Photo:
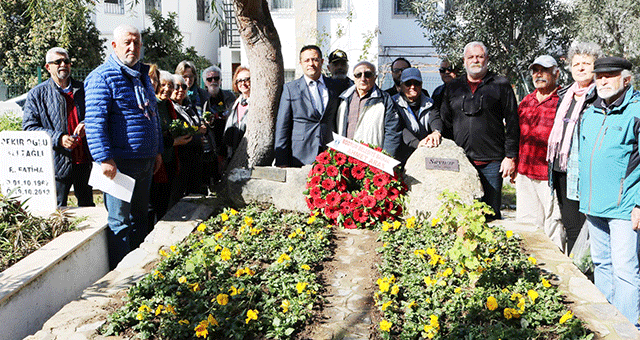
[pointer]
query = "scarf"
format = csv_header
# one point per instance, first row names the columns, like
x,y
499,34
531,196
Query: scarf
x,y
140,92
559,144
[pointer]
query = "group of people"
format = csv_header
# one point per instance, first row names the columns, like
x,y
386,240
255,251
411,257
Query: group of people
x,y
581,141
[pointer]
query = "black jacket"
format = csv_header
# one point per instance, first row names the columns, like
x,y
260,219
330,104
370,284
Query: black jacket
x,y
484,123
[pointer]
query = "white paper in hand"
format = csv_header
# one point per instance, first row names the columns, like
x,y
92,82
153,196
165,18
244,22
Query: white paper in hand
x,y
120,187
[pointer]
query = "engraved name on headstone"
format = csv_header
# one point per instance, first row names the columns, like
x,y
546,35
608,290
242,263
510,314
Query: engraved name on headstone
x,y
26,170
447,164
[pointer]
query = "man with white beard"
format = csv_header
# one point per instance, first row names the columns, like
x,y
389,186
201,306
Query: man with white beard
x,y
536,114
609,184
481,110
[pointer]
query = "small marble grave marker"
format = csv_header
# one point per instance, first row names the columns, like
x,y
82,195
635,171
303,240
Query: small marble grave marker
x,y
27,169
448,164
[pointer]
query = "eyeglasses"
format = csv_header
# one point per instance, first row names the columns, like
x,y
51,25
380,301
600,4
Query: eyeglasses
x,y
366,74
410,83
446,69
182,86
210,79
243,80
398,70
60,61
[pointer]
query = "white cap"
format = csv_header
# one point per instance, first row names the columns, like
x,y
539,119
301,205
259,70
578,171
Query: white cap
x,y
545,61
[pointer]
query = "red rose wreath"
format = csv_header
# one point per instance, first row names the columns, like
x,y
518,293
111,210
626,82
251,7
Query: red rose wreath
x,y
352,193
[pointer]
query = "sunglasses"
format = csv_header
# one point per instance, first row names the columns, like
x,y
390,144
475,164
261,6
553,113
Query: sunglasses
x,y
182,86
243,80
410,83
60,61
210,79
366,74
446,69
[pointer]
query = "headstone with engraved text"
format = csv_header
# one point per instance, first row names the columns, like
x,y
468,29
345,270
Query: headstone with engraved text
x,y
26,170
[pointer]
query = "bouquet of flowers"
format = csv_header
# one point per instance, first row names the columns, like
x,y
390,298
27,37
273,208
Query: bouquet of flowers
x,y
217,112
352,193
181,128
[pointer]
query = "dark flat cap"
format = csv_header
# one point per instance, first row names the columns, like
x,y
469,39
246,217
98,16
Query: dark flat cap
x,y
611,64
337,55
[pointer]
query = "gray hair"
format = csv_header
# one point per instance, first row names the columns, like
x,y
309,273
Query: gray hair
x,y
584,48
121,30
371,66
474,44
178,80
210,69
627,74
165,76
51,53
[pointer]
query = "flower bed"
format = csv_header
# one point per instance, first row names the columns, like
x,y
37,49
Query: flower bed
x,y
242,275
453,277
351,193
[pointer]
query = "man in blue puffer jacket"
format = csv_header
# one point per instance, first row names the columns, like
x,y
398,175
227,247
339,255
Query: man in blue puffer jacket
x,y
609,184
124,135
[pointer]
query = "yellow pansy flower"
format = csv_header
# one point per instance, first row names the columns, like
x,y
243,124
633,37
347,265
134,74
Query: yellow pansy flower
x,y
412,304
283,257
435,221
492,303
159,309
507,313
173,248
532,260
385,325
385,226
447,272
144,308
139,316
182,279
411,222
545,283
533,295
396,224
171,309
224,217
201,329
233,212
395,289
222,299
183,322
305,267
457,290
509,233
218,236
251,315
201,227
301,286
225,254
568,315
194,286
163,253
285,306
311,219
248,220
386,305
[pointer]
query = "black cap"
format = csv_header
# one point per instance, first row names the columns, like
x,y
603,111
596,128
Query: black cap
x,y
337,55
611,64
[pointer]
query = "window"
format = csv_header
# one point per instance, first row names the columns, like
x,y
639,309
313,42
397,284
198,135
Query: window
x,y
327,5
401,7
150,5
281,4
114,6
203,10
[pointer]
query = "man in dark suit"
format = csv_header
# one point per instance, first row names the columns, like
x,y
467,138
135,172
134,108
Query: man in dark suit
x,y
307,113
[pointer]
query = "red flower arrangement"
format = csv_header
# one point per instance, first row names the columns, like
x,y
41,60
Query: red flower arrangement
x,y
352,193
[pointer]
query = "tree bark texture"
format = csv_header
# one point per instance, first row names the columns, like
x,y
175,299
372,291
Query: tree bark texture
x,y
267,76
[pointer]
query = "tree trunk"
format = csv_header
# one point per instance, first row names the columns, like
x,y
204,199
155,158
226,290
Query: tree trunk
x,y
267,76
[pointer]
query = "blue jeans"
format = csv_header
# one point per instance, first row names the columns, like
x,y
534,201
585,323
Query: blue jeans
x,y
128,222
614,251
491,181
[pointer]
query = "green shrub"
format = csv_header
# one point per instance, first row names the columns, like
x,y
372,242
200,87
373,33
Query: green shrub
x,y
9,122
22,233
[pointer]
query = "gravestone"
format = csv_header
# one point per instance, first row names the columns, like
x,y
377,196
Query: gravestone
x,y
430,171
26,170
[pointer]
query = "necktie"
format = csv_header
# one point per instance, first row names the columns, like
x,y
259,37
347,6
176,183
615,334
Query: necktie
x,y
317,96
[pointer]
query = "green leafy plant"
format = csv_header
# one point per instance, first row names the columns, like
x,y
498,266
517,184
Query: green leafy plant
x,y
22,233
242,275
10,122
181,128
454,277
